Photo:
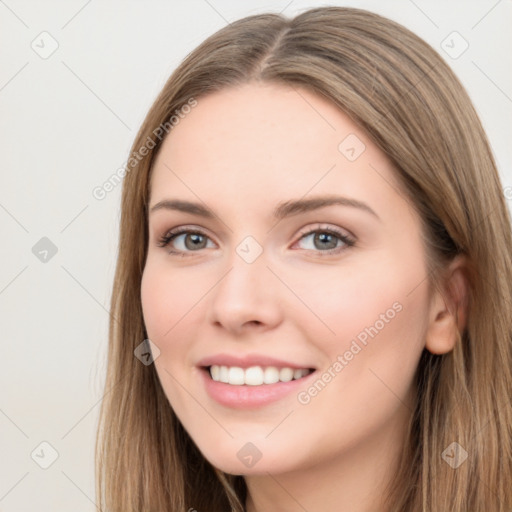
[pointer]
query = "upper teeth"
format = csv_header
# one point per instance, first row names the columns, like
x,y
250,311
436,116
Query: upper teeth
x,y
255,375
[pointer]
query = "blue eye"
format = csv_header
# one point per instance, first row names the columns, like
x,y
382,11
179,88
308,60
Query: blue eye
x,y
191,240
327,241
323,241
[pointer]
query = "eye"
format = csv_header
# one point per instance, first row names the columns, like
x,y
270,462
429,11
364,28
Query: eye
x,y
183,240
326,240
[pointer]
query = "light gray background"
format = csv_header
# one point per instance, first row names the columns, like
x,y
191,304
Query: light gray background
x,y
66,125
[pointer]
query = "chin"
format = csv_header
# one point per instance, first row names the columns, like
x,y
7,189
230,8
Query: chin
x,y
249,458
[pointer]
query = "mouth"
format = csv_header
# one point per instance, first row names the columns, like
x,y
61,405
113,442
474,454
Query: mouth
x,y
251,381
255,375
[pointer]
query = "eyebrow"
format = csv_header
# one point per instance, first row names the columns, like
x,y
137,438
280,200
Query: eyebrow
x,y
285,209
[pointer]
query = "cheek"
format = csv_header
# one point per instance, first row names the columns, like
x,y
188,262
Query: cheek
x,y
166,298
164,302
380,322
156,298
173,306
349,300
377,316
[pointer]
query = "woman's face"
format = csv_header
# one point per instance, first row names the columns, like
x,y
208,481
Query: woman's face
x,y
297,258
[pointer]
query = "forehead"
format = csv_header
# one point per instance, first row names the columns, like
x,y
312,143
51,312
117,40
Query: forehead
x,y
255,124
260,142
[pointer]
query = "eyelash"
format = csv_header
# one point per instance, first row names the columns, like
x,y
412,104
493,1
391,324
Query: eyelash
x,y
348,241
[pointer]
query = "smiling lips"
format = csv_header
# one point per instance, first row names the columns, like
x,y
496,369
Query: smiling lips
x,y
255,375
249,381
252,369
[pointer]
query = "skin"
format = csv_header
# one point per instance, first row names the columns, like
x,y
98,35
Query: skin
x,y
241,152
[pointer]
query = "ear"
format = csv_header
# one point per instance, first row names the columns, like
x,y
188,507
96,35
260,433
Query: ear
x,y
448,308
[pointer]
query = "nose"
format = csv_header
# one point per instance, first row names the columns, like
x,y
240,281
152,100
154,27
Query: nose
x,y
246,298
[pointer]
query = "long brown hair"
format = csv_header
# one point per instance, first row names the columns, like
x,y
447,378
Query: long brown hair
x,y
398,89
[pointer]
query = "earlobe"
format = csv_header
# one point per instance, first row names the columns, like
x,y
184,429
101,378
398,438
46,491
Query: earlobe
x,y
448,310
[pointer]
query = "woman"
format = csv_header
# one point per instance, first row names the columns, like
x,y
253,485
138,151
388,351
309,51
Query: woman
x,y
312,302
